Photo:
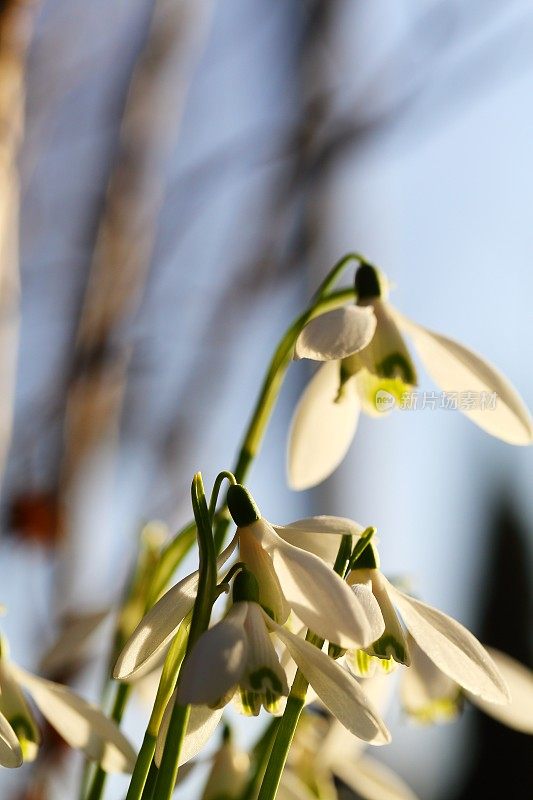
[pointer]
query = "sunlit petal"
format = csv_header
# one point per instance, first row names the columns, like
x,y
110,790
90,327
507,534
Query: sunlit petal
x,y
322,428
202,725
308,534
217,661
81,724
451,647
336,334
160,624
456,369
260,564
519,713
264,681
337,689
319,597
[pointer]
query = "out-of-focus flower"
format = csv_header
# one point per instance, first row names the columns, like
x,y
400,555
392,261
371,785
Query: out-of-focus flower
x,y
382,375
323,750
450,646
316,594
80,724
428,695
228,774
238,653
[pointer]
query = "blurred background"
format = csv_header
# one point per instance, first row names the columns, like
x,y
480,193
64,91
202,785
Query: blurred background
x,y
175,179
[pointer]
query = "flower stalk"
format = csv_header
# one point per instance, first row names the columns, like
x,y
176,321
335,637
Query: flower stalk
x,y
168,771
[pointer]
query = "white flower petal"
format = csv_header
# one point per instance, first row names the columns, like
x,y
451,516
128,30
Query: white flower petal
x,y
216,662
229,773
260,564
15,709
338,690
427,694
81,724
323,601
202,725
454,368
264,681
322,428
308,534
372,780
160,624
336,334
519,713
10,752
451,647
392,642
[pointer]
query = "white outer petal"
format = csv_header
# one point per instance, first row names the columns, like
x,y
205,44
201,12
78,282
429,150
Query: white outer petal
x,y
451,647
319,535
336,334
455,368
519,678
159,625
81,724
372,780
10,752
321,429
202,725
320,598
292,788
217,661
337,689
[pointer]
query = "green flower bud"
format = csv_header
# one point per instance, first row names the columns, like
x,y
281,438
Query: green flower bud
x,y
245,587
242,506
367,283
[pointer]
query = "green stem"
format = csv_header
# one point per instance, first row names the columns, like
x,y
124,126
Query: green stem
x,y
149,786
142,767
295,703
207,584
99,778
270,390
336,271
261,755
284,737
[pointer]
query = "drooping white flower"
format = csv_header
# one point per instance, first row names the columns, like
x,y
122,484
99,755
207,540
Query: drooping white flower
x,y
289,575
82,725
450,646
238,654
380,376
428,695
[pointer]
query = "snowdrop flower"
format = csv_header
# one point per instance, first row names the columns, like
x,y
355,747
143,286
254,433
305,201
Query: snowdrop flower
x,y
81,725
380,376
450,646
229,772
310,587
291,577
238,654
428,695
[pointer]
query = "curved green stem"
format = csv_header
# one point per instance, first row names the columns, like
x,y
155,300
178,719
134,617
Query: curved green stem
x,y
219,480
207,584
336,271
